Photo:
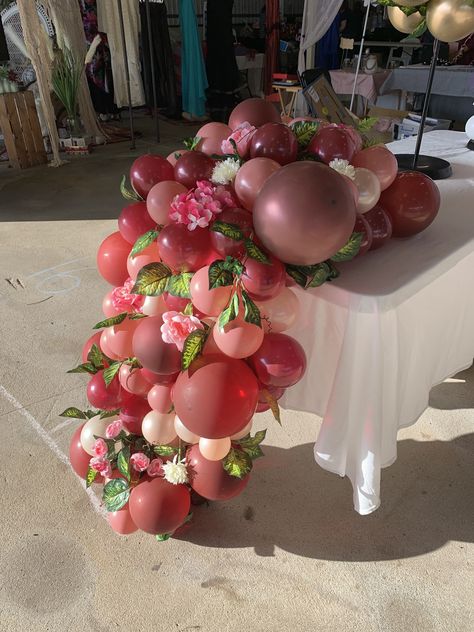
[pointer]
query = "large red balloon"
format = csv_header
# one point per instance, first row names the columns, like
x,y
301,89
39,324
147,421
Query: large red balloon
x,y
216,397
280,361
210,480
78,456
255,111
264,280
159,507
363,226
150,349
112,259
412,202
305,213
226,246
134,221
183,249
332,142
132,411
381,225
275,141
102,396
147,171
191,167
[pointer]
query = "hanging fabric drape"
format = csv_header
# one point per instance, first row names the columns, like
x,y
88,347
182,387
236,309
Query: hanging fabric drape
x,y
222,71
272,41
193,71
318,15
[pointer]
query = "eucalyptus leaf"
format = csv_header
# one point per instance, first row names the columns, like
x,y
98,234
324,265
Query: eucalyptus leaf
x,y
116,494
152,279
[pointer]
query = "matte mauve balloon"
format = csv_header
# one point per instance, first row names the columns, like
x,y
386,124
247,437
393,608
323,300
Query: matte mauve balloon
x,y
264,280
363,226
191,167
112,259
135,221
210,302
381,225
133,381
251,177
380,161
132,412
121,521
332,142
216,397
78,457
305,213
108,308
101,396
159,507
147,170
183,249
368,186
93,340
149,255
119,338
158,201
150,349
159,398
255,111
275,141
280,361
226,246
412,202
210,480
212,135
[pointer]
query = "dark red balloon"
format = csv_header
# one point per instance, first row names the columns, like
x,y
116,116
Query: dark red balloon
x,y
210,480
280,361
381,225
275,391
226,246
191,167
275,141
183,249
159,507
112,259
363,226
255,111
262,280
332,142
79,458
134,221
151,350
102,396
412,202
148,170
93,340
132,411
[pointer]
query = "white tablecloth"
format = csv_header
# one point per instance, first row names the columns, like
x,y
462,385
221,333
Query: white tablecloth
x,y
397,322
254,66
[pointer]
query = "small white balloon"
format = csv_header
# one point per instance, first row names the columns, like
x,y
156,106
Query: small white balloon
x,y
214,449
244,432
183,433
95,426
158,428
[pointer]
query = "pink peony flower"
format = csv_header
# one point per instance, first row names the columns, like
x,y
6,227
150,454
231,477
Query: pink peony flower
x,y
139,461
242,136
176,328
122,298
100,447
101,465
113,429
155,468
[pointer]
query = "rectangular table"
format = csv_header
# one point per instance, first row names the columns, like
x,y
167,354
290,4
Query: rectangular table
x,y
397,322
367,86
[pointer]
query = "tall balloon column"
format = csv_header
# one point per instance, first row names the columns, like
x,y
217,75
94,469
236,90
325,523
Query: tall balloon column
x,y
204,269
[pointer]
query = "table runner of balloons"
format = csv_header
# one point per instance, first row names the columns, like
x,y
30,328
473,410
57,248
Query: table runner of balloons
x,y
203,270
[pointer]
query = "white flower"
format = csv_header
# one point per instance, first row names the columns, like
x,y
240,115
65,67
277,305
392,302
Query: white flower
x,y
175,471
343,167
225,171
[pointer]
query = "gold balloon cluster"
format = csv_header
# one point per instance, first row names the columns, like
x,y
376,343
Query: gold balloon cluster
x,y
447,20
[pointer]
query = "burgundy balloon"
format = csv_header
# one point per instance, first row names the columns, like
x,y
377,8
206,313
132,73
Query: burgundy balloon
x,y
276,391
275,141
112,259
363,226
210,480
305,213
280,361
159,507
183,249
226,246
332,142
147,171
191,167
132,411
150,349
134,221
381,225
102,396
79,458
255,111
412,201
264,280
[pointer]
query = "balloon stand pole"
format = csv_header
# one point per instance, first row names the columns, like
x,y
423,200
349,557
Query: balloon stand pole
x,y
359,59
152,66
436,168
127,74
470,145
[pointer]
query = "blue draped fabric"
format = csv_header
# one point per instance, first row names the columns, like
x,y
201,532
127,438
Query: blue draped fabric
x,y
193,69
327,53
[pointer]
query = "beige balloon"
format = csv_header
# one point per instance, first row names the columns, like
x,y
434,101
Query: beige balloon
x,y
183,433
404,23
154,306
410,3
450,20
95,427
214,449
244,432
158,428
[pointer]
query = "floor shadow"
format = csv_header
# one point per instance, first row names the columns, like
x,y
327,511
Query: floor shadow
x,y
293,504
454,394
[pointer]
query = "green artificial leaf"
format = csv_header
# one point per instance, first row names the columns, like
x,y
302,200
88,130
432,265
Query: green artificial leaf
x,y
232,231
165,450
129,194
95,357
304,132
73,413
254,252
137,316
162,537
192,142
188,310
152,279
123,462
179,284
110,372
371,142
367,123
297,275
87,367
188,518
420,29
254,452
252,313
90,476
193,346
116,494
231,311
272,402
350,250
143,242
249,441
110,322
237,463
219,275
91,413
105,414
320,275
234,265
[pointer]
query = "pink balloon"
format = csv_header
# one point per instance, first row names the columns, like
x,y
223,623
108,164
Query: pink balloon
x,y
149,255
210,302
251,177
160,378
183,433
280,361
214,449
158,201
238,339
159,398
121,521
158,428
363,226
212,135
105,346
154,306
119,338
368,186
380,161
177,152
93,340
135,221
112,259
332,142
255,111
108,308
280,312
133,381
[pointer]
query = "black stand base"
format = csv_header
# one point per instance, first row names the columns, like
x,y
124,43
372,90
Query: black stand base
x,y
435,168
470,145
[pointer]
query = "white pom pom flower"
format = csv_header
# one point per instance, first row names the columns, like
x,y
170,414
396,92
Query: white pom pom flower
x,y
343,167
175,471
225,171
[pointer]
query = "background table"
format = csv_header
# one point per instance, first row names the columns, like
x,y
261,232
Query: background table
x,y
367,86
397,322
254,67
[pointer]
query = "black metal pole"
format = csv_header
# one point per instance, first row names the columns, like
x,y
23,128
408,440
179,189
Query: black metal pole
x,y
152,66
127,73
426,102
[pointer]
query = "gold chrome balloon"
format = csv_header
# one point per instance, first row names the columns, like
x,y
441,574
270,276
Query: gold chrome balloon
x,y
404,23
410,3
450,20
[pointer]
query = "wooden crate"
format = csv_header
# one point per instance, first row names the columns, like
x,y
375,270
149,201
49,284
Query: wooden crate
x,y
21,129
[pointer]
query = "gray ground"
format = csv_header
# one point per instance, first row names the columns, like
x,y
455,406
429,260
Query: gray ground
x,y
289,554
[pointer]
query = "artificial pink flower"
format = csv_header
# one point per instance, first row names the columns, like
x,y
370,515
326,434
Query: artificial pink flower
x,y
113,429
200,206
199,219
155,468
100,447
125,301
242,136
101,465
176,328
139,461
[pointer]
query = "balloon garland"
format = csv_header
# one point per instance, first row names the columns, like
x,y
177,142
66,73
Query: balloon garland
x,y
203,265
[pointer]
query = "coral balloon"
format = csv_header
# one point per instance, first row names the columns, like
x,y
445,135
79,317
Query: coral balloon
x,y
158,201
368,186
238,339
210,480
226,246
264,280
158,428
257,112
93,340
381,225
149,255
174,155
412,202
380,161
363,226
133,381
275,141
216,397
404,23
132,412
450,20
212,135
183,249
214,449
101,396
119,338
105,347
150,349
78,457
250,179
112,259
305,213
191,167
93,428
135,221
279,313
280,361
121,521
108,308
210,302
148,170
154,306
159,507
332,142
159,398
183,433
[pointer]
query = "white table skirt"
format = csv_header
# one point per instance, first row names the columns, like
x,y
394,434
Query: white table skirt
x,y
396,323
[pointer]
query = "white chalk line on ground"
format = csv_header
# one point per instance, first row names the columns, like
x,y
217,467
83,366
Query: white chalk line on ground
x,y
52,445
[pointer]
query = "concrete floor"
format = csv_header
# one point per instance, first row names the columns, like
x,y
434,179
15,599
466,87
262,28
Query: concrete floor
x,y
290,554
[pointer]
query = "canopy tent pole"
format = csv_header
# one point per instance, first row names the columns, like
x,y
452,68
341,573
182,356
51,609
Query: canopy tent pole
x,y
127,73
152,64
359,59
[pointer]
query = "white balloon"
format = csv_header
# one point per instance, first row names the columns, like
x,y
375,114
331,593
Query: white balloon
x,y
183,433
214,449
470,128
154,306
95,426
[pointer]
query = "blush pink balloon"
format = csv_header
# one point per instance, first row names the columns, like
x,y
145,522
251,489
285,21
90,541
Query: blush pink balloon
x,y
121,521
108,308
238,339
133,381
158,201
112,259
250,179
177,152
183,433
368,186
149,255
154,306
280,312
158,428
159,398
380,161
105,346
119,338
212,135
214,449
210,302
